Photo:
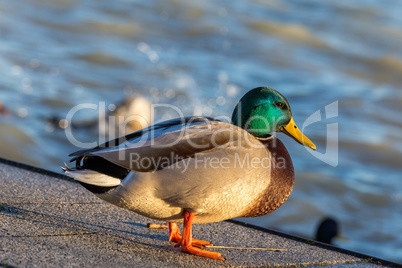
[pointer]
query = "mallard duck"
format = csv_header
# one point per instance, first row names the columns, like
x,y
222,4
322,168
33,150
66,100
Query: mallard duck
x,y
198,169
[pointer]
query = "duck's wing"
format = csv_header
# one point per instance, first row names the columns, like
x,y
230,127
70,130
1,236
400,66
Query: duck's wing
x,y
160,145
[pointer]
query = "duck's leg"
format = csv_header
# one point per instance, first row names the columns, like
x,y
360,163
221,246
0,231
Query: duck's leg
x,y
186,242
175,236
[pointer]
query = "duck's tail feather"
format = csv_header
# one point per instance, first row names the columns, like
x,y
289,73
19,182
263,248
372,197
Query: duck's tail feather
x,y
92,180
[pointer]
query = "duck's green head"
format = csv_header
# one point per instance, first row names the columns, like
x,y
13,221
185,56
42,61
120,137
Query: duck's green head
x,y
264,110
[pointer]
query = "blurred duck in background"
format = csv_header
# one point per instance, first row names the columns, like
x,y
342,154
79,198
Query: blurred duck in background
x,y
130,115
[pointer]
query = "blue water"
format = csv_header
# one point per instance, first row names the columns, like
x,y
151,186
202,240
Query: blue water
x,y
202,57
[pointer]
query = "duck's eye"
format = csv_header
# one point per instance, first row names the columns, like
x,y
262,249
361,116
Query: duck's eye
x,y
280,104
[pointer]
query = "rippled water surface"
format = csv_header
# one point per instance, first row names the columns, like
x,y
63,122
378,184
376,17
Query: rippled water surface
x,y
202,56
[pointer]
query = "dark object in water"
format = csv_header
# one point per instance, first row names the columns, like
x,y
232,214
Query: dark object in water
x,y
327,230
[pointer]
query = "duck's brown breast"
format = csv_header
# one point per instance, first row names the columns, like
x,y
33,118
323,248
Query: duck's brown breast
x,y
282,180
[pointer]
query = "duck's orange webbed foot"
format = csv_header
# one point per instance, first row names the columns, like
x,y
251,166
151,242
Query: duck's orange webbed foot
x,y
175,236
202,253
187,244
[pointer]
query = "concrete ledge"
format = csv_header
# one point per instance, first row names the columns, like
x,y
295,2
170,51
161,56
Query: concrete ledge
x,y
48,220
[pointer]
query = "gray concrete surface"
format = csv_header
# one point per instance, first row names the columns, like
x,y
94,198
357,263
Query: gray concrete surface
x,y
49,221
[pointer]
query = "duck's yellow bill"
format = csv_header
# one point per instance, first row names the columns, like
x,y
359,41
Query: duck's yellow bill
x,y
293,131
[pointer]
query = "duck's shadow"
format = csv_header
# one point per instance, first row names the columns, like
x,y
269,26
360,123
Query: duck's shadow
x,y
134,224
